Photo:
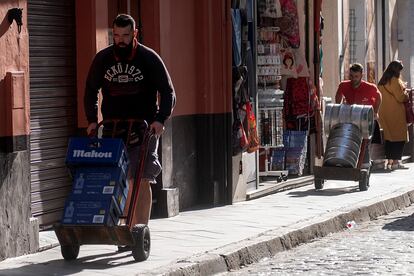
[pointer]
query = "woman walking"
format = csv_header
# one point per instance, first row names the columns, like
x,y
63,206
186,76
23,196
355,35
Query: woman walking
x,y
392,114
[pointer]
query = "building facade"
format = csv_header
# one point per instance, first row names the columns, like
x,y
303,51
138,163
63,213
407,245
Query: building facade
x,y
371,32
43,69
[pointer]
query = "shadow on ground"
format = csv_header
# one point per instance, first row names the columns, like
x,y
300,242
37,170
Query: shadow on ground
x,y
325,192
99,262
403,224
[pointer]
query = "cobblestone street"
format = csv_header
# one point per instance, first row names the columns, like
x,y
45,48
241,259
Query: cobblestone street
x,y
381,247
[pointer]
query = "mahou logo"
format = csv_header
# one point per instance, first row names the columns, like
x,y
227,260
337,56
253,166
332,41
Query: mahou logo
x,y
91,154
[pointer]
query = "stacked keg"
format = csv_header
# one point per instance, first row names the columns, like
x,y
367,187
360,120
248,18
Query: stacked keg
x,y
346,126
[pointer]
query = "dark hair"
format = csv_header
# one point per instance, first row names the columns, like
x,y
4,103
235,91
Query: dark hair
x,y
288,56
124,20
356,67
393,70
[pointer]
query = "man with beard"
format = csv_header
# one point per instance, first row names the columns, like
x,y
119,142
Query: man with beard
x,y
358,91
135,84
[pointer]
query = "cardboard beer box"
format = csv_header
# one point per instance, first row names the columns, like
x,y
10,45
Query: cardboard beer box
x,y
101,181
104,152
91,210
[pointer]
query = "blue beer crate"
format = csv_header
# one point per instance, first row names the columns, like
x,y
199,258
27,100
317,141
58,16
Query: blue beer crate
x,y
91,210
101,181
109,152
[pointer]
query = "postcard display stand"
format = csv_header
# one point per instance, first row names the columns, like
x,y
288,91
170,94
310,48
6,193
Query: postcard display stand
x,y
270,105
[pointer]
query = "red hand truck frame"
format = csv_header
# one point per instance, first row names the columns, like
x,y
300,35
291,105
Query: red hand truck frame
x,y
137,237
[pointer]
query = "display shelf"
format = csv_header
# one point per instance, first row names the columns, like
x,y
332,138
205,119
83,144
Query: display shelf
x,y
271,126
270,104
282,174
271,162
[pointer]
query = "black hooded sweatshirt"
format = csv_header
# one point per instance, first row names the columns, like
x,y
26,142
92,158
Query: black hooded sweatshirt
x,y
129,87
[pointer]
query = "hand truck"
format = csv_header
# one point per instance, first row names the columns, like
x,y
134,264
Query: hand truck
x,y
137,237
322,173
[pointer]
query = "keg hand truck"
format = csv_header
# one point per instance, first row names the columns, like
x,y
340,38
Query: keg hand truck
x,y
360,116
137,237
322,173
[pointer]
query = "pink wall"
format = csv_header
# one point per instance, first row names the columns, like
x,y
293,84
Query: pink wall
x,y
151,23
194,39
14,56
91,36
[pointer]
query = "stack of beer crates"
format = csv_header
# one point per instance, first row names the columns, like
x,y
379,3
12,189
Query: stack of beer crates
x,y
99,169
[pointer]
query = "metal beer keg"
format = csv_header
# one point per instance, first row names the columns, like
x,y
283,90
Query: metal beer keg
x,y
343,146
360,115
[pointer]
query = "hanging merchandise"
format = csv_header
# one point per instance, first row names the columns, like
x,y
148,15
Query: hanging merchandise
x,y
251,129
240,142
296,149
268,58
244,125
248,57
283,15
288,62
277,38
271,127
269,64
289,23
236,36
300,104
297,97
302,69
268,11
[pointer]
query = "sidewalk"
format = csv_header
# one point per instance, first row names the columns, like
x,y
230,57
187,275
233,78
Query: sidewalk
x,y
213,240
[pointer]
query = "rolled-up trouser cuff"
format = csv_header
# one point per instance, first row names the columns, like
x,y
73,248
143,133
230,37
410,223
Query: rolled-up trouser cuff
x,y
152,166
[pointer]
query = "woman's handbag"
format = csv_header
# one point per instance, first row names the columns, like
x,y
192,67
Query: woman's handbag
x,y
409,112
408,106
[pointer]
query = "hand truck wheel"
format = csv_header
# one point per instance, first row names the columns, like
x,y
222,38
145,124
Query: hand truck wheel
x,y
142,242
70,252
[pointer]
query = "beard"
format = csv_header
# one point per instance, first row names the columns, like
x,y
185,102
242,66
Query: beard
x,y
356,83
123,51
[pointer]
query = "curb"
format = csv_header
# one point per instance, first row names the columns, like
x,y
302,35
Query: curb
x,y
266,245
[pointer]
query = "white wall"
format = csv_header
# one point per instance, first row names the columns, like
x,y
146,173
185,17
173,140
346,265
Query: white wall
x,y
358,35
391,31
405,11
410,52
331,45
